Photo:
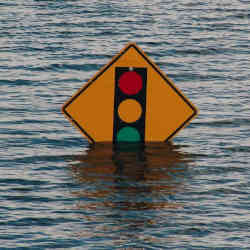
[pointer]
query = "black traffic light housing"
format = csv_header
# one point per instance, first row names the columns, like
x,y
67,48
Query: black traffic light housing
x,y
139,96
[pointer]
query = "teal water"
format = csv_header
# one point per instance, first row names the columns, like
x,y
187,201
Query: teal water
x,y
57,192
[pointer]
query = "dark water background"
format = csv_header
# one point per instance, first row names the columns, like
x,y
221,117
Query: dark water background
x,y
56,192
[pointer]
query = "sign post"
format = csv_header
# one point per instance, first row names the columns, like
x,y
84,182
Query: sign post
x,y
129,100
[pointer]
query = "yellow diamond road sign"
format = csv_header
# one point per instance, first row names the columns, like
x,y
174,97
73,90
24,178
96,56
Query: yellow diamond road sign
x,y
129,100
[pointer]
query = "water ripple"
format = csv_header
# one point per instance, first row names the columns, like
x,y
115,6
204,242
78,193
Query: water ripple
x,y
59,192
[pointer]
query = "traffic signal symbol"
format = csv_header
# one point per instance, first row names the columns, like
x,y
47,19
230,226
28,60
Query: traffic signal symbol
x,y
129,104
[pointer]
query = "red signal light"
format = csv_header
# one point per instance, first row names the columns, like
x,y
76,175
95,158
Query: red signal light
x,y
130,83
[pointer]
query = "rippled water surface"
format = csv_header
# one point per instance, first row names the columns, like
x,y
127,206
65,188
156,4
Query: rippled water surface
x,y
58,192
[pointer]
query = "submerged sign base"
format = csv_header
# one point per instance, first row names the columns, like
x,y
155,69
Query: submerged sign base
x,y
129,100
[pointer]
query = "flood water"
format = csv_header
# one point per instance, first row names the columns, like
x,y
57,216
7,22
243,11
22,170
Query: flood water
x,y
59,192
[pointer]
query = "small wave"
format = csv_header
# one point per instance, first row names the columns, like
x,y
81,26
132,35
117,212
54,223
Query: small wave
x,y
18,82
23,182
225,122
239,149
62,67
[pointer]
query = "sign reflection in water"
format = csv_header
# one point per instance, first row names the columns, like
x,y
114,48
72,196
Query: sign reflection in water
x,y
128,187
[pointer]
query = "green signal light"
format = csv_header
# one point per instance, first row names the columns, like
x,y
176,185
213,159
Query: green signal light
x,y
128,134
